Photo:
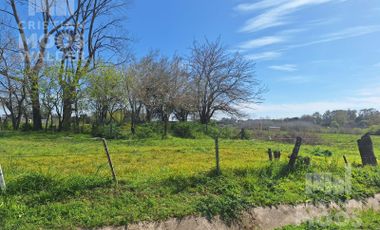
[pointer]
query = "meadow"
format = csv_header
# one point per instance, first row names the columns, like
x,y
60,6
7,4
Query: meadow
x,y
63,180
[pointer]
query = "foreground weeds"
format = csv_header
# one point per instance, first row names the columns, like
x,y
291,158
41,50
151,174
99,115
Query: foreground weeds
x,y
64,182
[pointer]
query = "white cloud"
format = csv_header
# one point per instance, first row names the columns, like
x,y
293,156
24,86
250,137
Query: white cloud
x,y
276,15
260,42
286,67
270,55
258,5
343,34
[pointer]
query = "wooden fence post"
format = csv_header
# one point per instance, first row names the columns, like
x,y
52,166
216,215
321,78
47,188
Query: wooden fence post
x,y
2,180
217,155
270,154
294,155
345,159
366,150
109,160
277,154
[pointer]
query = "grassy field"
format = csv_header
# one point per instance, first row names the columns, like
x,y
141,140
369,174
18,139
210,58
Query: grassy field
x,y
63,181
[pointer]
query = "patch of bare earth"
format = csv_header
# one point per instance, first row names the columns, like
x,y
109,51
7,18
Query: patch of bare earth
x,y
258,218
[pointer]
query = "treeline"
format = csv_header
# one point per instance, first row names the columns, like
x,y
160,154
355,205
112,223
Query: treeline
x,y
364,118
96,81
343,121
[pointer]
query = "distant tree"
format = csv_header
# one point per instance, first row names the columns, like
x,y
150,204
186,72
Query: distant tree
x,y
223,81
341,117
317,118
164,84
132,83
326,118
105,93
368,117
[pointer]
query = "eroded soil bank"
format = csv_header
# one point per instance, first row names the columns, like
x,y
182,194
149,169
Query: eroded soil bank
x,y
258,218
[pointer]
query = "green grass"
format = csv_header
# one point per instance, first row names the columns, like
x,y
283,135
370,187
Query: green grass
x,y
63,181
369,220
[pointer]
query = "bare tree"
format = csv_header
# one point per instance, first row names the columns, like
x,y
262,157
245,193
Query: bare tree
x,y
12,87
132,83
93,30
33,61
222,80
98,32
163,84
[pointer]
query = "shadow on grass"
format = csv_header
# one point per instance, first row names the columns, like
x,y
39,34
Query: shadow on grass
x,y
37,188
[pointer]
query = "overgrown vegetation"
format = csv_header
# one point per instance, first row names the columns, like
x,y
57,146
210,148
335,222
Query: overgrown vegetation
x,y
63,180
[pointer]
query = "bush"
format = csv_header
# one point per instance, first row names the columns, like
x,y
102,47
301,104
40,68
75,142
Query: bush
x,y
86,128
106,131
148,130
374,130
322,153
25,127
183,130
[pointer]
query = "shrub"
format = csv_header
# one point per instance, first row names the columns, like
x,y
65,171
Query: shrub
x,y
148,130
106,131
374,130
86,128
319,152
183,130
25,127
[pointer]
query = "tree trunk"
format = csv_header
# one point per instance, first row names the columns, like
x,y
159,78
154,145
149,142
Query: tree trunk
x,y
165,120
181,115
47,122
133,123
148,116
67,111
51,122
36,107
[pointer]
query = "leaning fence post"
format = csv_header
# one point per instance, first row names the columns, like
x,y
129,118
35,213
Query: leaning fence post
x,y
2,180
109,160
345,159
217,155
294,155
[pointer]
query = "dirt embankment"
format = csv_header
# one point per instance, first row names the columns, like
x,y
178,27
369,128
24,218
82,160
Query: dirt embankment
x,y
258,218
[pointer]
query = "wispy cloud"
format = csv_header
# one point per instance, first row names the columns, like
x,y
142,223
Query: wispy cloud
x,y
277,13
270,55
244,7
260,42
286,67
300,79
343,34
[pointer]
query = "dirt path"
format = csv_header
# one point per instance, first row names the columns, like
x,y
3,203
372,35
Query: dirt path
x,y
258,218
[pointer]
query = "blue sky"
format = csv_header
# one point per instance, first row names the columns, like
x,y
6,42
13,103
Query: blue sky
x,y
313,55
